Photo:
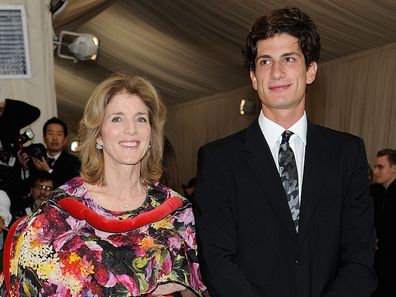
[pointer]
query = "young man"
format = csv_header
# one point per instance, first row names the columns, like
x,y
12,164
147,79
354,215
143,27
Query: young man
x,y
385,202
285,209
58,162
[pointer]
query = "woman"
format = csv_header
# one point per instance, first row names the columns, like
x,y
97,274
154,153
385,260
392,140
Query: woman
x,y
113,231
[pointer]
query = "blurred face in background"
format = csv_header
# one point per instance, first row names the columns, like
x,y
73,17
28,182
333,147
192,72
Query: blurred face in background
x,y
55,138
41,190
384,172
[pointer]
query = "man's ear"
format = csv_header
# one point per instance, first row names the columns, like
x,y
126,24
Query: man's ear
x,y
253,79
393,169
311,72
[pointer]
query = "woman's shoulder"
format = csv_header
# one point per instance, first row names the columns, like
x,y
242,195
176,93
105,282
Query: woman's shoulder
x,y
73,188
182,213
162,193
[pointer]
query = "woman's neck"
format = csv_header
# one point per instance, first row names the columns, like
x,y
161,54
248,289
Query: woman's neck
x,y
116,199
123,190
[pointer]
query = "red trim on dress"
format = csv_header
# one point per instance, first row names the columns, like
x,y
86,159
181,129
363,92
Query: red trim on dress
x,y
82,212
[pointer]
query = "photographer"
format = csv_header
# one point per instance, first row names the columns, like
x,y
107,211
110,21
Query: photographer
x,y
56,160
14,115
41,186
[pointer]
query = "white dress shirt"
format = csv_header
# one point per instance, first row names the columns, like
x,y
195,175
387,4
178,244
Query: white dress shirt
x,y
55,156
273,135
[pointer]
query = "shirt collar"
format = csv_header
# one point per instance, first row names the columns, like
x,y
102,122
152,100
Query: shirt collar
x,y
56,156
272,131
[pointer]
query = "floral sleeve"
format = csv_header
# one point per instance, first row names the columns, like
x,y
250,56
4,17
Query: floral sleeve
x,y
185,225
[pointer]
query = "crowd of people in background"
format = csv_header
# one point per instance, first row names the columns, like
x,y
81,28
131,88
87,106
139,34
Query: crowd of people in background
x,y
108,212
118,220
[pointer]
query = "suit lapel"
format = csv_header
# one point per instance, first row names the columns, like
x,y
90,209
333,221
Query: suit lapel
x,y
259,158
315,160
60,161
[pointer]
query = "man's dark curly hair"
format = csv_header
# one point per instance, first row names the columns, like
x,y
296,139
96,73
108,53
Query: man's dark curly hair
x,y
289,20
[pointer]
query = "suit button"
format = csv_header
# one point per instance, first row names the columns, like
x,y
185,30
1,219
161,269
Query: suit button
x,y
299,262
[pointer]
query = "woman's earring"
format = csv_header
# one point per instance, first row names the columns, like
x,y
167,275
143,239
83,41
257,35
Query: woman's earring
x,y
99,146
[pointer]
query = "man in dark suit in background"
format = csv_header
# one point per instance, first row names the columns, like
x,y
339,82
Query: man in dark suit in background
x,y
285,209
14,115
385,205
58,162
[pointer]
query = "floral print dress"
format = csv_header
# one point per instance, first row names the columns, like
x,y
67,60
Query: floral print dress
x,y
53,253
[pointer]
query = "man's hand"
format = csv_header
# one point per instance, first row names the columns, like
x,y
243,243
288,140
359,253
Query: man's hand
x,y
41,164
170,288
23,158
2,224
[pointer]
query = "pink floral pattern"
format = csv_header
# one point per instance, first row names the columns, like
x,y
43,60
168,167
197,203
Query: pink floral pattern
x,y
54,254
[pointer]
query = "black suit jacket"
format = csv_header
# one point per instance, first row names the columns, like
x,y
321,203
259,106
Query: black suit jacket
x,y
64,169
386,228
385,261
248,243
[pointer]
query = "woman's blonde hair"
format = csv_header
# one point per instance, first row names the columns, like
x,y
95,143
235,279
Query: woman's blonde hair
x,y
92,163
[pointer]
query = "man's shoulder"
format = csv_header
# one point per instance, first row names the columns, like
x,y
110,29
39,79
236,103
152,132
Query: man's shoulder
x,y
229,142
68,161
332,135
392,189
69,157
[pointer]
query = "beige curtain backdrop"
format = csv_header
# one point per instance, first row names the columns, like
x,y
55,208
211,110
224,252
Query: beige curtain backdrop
x,y
39,90
191,125
356,94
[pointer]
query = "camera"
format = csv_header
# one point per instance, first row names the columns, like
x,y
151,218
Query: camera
x,y
7,158
22,139
36,150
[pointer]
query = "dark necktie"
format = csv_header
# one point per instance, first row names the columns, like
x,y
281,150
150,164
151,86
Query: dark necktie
x,y
289,175
51,162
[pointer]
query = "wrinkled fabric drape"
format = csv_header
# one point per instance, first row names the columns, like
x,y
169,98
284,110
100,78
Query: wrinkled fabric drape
x,y
191,125
357,94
